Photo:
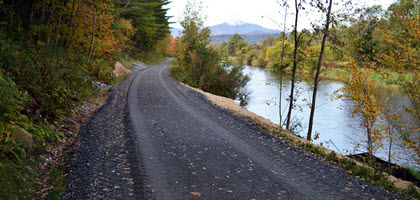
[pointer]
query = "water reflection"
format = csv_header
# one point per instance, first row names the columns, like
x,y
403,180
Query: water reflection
x,y
337,130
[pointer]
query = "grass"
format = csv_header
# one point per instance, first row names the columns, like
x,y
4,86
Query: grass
x,y
118,79
415,172
125,59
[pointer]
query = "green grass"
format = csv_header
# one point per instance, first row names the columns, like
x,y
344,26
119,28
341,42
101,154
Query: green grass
x,y
125,59
415,172
118,80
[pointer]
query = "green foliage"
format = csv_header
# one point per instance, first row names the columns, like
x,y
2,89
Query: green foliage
x,y
415,172
274,54
235,44
12,100
52,78
312,58
201,65
252,56
16,183
413,192
149,20
117,80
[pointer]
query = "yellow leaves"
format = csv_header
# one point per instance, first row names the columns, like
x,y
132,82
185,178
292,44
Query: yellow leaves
x,y
196,194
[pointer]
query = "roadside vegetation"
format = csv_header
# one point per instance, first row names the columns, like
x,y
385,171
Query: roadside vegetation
x,y
53,56
200,65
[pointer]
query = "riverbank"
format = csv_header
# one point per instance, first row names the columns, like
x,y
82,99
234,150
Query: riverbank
x,y
338,71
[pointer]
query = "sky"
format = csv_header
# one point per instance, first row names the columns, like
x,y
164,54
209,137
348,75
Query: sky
x,y
261,12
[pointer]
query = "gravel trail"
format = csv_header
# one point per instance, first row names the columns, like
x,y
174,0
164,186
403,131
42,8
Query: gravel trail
x,y
177,145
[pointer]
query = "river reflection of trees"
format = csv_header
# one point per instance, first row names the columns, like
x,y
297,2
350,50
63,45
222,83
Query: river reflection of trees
x,y
338,130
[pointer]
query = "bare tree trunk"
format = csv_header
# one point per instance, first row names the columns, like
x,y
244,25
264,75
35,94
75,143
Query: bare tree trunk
x,y
318,70
43,13
389,156
72,12
51,24
291,97
60,18
282,67
70,24
369,147
93,35
58,30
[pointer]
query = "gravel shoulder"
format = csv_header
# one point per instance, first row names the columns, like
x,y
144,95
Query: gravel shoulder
x,y
157,139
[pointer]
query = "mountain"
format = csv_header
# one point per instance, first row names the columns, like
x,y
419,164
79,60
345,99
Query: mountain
x,y
241,29
175,32
251,33
252,39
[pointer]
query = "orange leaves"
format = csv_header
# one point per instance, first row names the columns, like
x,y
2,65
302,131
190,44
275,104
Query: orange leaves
x,y
172,45
110,35
196,194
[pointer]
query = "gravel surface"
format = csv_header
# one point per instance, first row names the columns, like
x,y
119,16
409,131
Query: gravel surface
x,y
157,139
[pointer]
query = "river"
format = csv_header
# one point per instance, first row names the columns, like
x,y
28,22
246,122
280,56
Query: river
x,y
337,130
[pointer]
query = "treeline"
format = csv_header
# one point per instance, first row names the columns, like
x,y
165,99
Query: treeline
x,y
251,39
366,45
51,53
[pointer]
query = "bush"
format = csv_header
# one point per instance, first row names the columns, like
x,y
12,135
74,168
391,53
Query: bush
x,y
51,80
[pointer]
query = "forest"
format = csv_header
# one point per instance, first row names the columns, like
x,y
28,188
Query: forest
x,y
52,53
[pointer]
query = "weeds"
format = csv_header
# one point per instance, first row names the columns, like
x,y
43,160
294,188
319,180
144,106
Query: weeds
x,y
117,80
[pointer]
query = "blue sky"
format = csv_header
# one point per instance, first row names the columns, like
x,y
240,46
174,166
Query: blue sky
x,y
251,11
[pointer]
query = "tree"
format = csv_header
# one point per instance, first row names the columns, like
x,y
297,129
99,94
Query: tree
x,y
149,20
295,54
235,44
280,56
358,37
200,64
282,63
367,105
318,69
399,40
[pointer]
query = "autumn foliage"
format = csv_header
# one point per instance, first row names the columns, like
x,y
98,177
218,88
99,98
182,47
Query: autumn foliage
x,y
52,54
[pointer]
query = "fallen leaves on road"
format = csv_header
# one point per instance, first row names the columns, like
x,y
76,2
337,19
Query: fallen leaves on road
x,y
196,194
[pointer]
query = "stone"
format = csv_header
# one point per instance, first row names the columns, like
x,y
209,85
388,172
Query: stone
x,y
22,136
120,70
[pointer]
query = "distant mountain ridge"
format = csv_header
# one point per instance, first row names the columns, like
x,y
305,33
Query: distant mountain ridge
x,y
241,29
251,33
252,39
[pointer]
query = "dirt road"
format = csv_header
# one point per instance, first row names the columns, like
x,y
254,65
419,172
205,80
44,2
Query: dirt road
x,y
162,140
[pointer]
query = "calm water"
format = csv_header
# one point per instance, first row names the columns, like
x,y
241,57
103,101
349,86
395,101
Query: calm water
x,y
337,130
